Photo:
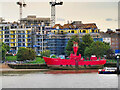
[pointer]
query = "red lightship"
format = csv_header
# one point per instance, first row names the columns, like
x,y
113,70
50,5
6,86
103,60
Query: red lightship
x,y
74,61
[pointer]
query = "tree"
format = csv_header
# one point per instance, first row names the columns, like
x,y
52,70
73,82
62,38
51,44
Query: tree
x,y
25,54
86,42
4,48
110,54
69,47
97,48
45,53
53,56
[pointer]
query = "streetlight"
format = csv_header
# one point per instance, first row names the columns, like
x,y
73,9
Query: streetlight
x,y
118,65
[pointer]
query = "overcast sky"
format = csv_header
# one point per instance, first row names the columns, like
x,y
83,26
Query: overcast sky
x,y
104,14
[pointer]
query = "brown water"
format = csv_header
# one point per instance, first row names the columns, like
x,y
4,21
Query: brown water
x,y
69,80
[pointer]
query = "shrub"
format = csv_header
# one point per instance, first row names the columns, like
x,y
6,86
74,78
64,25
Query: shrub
x,y
45,53
53,56
9,54
25,54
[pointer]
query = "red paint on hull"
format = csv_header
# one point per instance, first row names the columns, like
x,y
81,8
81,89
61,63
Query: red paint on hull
x,y
58,61
74,59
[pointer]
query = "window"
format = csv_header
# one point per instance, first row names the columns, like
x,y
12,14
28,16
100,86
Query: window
x,y
23,44
72,31
19,44
80,31
113,39
84,31
92,31
19,40
113,43
43,28
61,32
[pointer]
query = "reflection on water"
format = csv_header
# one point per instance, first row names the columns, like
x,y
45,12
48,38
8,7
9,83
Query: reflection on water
x,y
44,80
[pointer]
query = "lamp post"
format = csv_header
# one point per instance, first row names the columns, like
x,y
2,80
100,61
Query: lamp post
x,y
118,65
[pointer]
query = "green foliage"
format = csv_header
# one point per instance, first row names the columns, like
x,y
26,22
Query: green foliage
x,y
86,42
69,47
4,48
87,52
9,54
110,54
25,54
53,56
38,60
11,58
3,53
45,53
97,48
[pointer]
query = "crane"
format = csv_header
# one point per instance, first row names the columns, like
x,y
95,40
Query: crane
x,y
53,4
21,4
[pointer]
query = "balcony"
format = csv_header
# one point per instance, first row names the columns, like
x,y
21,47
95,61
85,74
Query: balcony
x,y
12,33
29,42
6,37
21,33
12,42
21,46
21,37
29,46
6,33
28,33
19,41
39,38
28,37
7,42
12,46
13,38
41,41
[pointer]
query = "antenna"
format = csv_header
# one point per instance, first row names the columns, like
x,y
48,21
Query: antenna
x,y
21,4
53,4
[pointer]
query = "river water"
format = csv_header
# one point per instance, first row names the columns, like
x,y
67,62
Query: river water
x,y
74,80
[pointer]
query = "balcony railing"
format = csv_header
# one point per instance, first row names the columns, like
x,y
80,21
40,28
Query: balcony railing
x,y
28,41
12,42
19,41
28,33
6,33
21,33
6,37
12,38
28,37
21,37
29,46
12,33
21,46
7,42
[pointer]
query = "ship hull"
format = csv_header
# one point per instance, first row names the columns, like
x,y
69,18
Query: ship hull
x,y
71,64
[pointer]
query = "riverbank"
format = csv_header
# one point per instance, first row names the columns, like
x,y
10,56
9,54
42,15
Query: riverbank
x,y
6,68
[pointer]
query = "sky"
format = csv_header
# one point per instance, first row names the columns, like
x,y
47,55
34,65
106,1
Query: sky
x,y
104,14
